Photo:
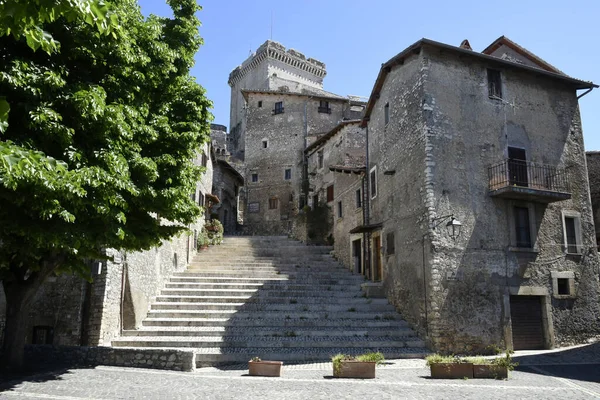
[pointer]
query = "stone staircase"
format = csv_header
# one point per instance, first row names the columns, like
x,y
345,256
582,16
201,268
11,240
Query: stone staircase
x,y
274,298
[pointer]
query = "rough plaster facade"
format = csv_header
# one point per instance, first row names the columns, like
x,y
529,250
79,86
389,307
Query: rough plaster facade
x,y
443,134
593,165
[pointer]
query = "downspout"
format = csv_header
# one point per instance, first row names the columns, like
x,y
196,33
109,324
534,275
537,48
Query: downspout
x,y
305,185
367,235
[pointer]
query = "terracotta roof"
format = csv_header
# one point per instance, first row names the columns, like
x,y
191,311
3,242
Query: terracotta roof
x,y
503,40
415,48
213,198
320,141
358,169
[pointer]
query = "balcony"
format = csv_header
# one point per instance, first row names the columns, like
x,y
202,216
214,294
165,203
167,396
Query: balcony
x,y
525,180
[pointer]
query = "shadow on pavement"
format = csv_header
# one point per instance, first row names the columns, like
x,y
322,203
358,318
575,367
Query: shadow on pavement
x,y
10,380
578,363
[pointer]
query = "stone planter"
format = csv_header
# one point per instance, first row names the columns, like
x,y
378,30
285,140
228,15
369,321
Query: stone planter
x,y
490,371
265,368
356,369
452,370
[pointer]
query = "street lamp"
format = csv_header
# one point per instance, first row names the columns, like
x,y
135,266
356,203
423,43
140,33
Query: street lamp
x,y
453,227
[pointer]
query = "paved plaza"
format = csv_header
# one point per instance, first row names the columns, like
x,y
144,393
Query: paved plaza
x,y
572,373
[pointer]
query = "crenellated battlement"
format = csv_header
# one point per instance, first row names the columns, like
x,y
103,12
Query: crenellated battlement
x,y
276,51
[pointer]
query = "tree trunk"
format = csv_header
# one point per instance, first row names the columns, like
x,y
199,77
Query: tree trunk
x,y
16,333
19,299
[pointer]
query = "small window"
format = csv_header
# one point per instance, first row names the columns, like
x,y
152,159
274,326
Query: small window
x,y
358,199
194,197
386,113
324,107
288,174
260,104
265,144
572,232
255,177
522,227
315,200
390,245
291,196
373,182
278,108
339,209
273,203
329,193
494,83
204,160
42,335
320,158
201,199
563,286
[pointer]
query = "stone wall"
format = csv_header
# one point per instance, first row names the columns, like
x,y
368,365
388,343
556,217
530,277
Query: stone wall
x,y
472,279
39,357
593,165
285,137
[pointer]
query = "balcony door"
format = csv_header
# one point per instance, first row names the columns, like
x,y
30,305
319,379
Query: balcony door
x,y
517,167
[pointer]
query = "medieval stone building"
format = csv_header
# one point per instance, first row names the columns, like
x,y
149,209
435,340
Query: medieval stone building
x,y
593,165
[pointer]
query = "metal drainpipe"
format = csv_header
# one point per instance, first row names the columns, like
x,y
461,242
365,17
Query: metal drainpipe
x,y
367,236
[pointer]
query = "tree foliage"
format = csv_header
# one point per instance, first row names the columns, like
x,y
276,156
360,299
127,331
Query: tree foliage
x,y
100,134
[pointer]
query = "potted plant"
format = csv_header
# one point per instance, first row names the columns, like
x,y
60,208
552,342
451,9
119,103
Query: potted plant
x,y
202,240
258,367
493,368
449,367
214,230
362,367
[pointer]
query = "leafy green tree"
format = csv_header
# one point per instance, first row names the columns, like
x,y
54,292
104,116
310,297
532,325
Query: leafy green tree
x,y
97,149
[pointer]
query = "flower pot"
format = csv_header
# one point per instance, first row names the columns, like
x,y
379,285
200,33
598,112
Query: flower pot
x,y
356,369
452,370
490,371
265,368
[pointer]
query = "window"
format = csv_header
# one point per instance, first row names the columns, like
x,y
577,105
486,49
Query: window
x,y
291,196
324,107
204,160
320,158
572,232
254,177
358,199
288,174
494,83
315,200
373,182
278,108
273,203
329,193
201,199
265,144
563,286
390,245
386,113
522,228
42,335
260,104
194,197
339,209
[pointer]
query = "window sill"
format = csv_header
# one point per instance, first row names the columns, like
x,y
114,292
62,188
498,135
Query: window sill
x,y
564,296
500,99
523,249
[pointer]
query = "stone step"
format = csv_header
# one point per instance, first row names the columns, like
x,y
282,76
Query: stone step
x,y
289,307
216,356
305,280
253,265
259,286
346,301
261,293
271,343
340,324
266,331
215,272
265,315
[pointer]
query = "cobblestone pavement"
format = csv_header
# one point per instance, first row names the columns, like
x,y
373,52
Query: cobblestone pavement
x,y
542,375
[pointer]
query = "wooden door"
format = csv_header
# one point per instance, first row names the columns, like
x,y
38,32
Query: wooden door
x,y
527,322
517,167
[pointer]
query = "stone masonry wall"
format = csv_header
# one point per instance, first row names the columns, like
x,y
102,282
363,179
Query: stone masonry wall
x,y
400,203
284,135
593,165
472,278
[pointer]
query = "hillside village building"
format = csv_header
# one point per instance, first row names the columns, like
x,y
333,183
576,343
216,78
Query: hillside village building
x,y
459,190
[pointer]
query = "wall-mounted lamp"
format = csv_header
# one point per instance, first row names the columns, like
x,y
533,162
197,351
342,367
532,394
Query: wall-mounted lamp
x,y
453,227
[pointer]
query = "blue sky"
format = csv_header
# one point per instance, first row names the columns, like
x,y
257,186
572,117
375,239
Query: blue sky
x,y
353,38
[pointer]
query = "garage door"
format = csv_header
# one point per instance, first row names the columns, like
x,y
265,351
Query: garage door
x,y
527,325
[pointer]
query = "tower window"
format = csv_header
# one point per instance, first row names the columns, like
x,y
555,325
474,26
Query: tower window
x,y
278,108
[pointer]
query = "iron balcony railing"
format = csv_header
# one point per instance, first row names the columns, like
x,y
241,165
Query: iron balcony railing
x,y
527,174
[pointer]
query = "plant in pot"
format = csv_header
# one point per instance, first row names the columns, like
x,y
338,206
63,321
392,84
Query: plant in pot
x,y
362,367
202,240
258,367
449,367
493,368
214,230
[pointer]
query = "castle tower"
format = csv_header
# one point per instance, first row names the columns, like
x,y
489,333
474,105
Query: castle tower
x,y
271,67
